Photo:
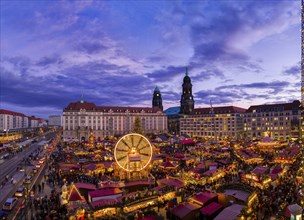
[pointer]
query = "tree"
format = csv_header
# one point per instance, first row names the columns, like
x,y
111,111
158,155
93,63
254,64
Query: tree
x,y
137,126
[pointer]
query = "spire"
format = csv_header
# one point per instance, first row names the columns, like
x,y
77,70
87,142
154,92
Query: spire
x,y
186,71
211,108
81,98
156,89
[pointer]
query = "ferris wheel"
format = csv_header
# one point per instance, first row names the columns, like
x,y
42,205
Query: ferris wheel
x,y
133,152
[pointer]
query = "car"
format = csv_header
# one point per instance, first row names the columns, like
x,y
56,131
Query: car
x,y
34,170
3,215
28,179
38,165
19,192
9,204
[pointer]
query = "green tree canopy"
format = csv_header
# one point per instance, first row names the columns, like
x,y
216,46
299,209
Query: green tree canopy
x,y
137,126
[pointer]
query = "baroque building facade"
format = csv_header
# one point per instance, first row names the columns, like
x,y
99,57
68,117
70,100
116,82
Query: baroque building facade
x,y
106,121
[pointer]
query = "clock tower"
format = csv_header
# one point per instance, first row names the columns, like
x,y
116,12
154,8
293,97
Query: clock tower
x,y
187,102
157,99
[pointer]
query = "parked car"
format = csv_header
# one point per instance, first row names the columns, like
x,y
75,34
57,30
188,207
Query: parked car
x,y
9,204
28,179
34,170
19,192
3,215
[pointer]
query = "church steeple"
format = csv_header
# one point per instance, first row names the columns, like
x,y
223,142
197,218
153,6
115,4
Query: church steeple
x,y
157,99
187,102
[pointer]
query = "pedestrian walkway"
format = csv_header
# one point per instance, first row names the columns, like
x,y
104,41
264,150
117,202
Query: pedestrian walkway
x,y
44,192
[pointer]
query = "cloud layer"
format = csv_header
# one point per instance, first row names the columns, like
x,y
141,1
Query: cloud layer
x,y
116,53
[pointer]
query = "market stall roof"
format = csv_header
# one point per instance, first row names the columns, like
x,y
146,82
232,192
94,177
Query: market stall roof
x,y
211,208
187,141
90,166
203,197
238,194
74,194
159,188
179,155
197,170
171,182
163,137
183,210
231,212
103,202
68,166
158,139
107,164
104,192
267,139
294,208
209,172
167,164
85,186
260,170
276,170
201,166
121,184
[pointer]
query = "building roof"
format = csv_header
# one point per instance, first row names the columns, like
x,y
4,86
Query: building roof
x,y
103,202
183,210
204,197
260,170
74,194
173,110
172,182
275,107
231,212
211,208
218,110
167,164
89,106
8,112
104,192
187,141
85,186
238,194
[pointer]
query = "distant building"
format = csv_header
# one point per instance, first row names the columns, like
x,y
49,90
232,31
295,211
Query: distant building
x,y
105,121
278,121
173,119
214,123
55,120
33,122
10,120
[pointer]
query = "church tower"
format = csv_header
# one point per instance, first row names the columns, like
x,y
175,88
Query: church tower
x,y
187,102
157,99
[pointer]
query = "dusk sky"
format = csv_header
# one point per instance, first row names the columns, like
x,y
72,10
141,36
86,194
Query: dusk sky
x,y
238,52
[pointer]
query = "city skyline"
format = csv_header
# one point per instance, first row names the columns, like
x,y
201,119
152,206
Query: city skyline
x,y
238,53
